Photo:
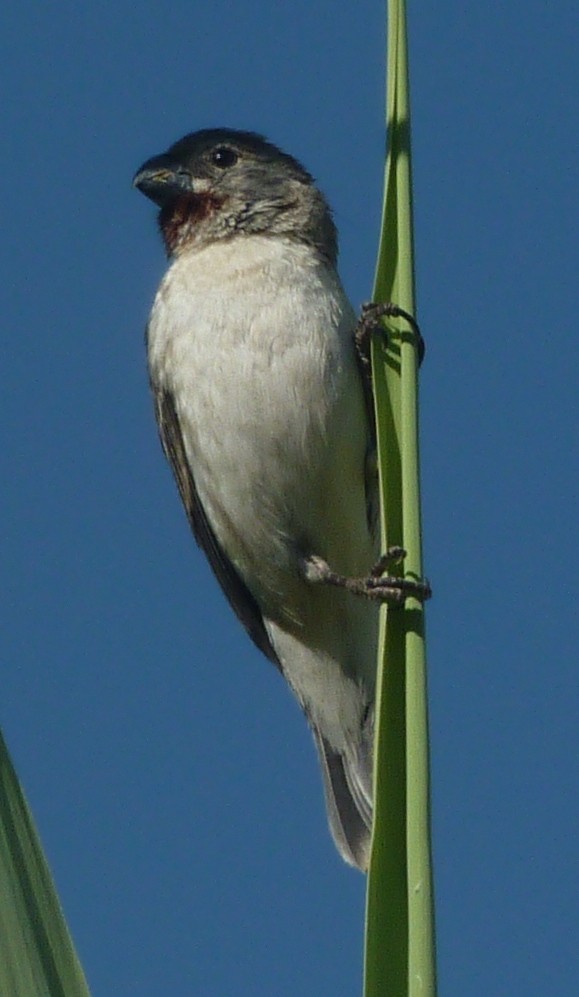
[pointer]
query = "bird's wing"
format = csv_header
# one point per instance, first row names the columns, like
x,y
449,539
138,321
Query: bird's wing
x,y
239,596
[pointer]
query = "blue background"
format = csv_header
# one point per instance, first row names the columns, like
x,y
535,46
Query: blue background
x,y
171,774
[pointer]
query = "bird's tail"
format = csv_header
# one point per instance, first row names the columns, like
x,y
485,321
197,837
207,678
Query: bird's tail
x,y
348,791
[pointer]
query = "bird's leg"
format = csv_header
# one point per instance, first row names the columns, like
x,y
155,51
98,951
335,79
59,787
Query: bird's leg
x,y
369,324
377,585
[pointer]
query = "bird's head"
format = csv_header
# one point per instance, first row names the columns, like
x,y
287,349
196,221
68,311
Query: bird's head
x,y
218,184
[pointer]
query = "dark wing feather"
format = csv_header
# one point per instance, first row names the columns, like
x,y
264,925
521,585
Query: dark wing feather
x,y
240,598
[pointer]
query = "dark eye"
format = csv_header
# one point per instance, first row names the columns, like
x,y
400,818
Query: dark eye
x,y
223,157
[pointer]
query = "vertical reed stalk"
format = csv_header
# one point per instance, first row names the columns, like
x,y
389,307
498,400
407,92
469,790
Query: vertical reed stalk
x,y
400,956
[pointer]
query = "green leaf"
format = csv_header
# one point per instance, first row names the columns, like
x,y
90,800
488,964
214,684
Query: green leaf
x,y
400,954
37,956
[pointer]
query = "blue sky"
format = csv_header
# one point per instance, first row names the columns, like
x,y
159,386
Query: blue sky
x,y
171,775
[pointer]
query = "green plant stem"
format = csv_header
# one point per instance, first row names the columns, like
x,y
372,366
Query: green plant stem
x,y
37,956
400,958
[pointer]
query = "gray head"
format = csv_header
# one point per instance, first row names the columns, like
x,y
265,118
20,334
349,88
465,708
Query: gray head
x,y
219,183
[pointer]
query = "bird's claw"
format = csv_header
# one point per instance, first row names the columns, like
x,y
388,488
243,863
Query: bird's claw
x,y
377,585
369,323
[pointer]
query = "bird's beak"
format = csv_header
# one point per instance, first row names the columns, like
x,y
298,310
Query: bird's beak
x,y
162,180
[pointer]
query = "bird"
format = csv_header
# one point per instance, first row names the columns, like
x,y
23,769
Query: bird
x,y
263,414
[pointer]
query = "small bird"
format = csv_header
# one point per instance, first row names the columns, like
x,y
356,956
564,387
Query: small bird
x,y
263,414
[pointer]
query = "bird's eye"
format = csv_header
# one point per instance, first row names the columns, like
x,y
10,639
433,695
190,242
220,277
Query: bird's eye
x,y
223,157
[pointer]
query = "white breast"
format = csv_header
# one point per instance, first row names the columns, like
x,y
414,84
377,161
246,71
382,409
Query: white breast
x,y
254,339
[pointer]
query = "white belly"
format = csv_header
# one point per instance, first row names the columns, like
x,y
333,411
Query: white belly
x,y
258,354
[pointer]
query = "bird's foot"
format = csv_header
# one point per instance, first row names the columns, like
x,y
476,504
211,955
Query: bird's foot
x,y
377,585
369,324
